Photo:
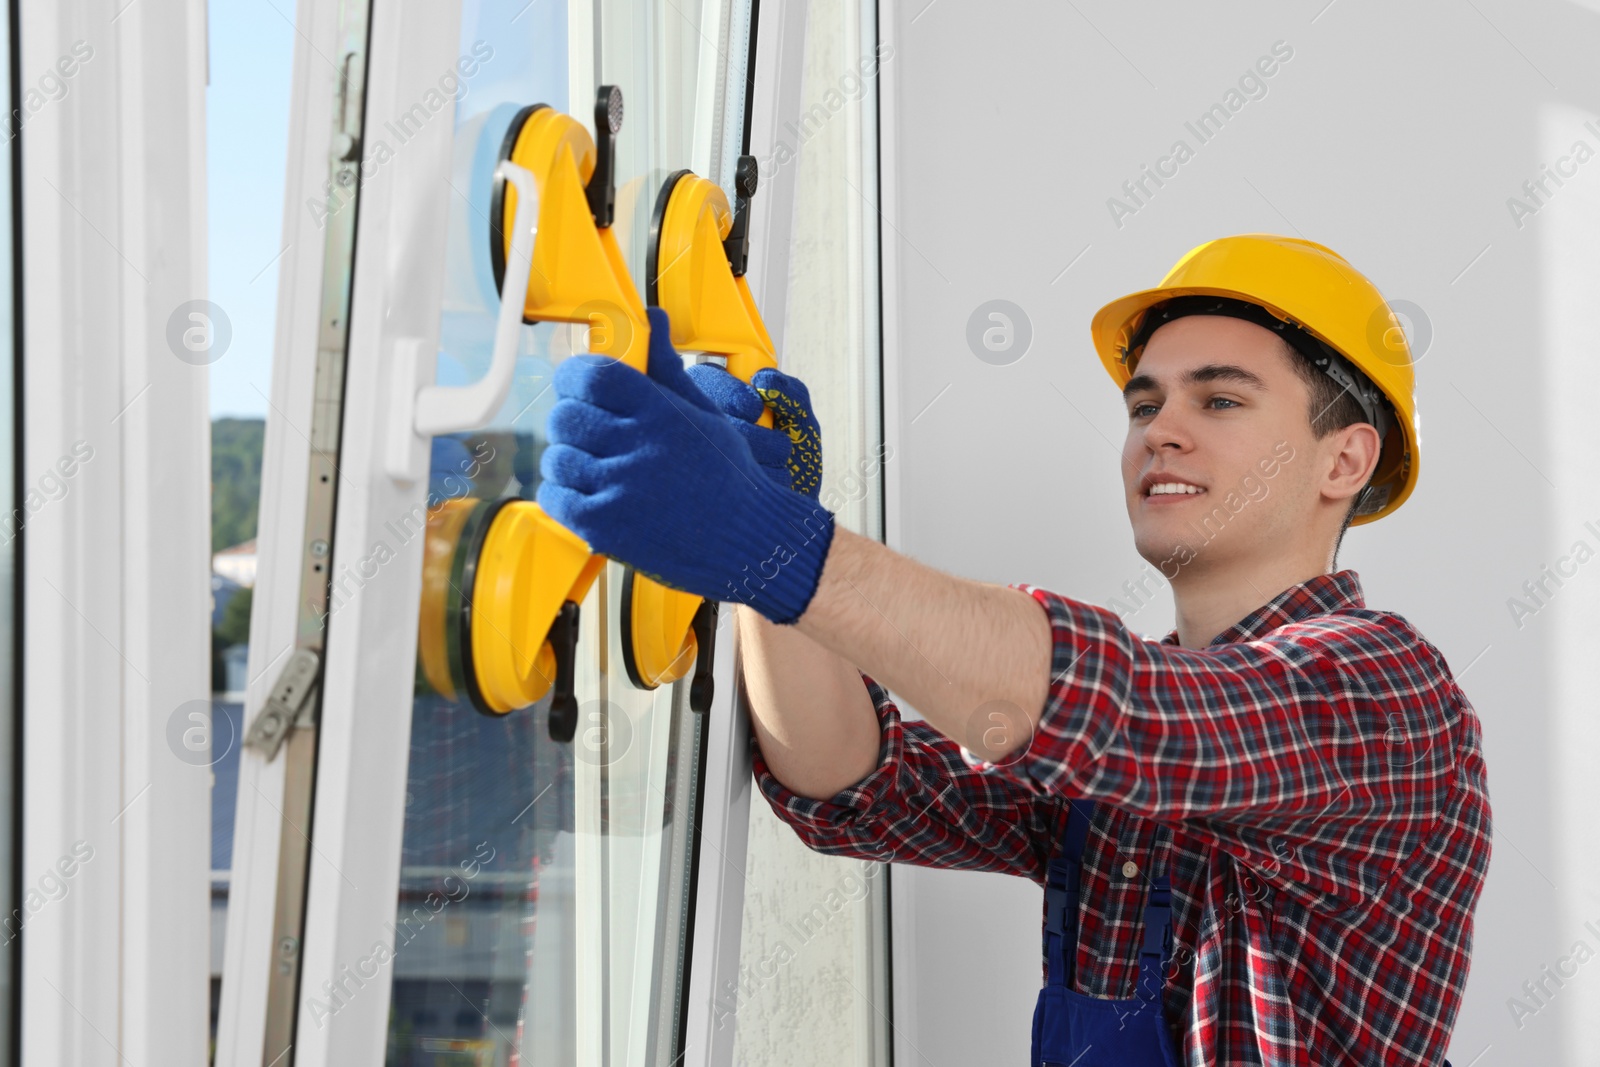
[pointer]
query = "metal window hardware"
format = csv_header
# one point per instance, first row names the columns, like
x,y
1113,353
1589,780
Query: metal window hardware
x,y
289,703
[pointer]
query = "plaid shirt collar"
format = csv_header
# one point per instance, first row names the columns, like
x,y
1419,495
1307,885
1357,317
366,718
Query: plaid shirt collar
x,y
1320,595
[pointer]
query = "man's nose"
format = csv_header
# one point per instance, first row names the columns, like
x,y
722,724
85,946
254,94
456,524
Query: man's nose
x,y
1166,429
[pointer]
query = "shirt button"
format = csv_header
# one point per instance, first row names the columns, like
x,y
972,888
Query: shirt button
x,y
1130,869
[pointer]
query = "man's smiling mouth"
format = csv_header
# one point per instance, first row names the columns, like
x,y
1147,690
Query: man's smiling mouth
x,y
1170,492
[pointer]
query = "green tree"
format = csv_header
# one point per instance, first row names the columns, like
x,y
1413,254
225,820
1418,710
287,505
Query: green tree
x,y
236,446
234,627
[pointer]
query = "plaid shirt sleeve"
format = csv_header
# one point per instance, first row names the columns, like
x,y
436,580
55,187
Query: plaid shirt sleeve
x,y
922,805
1324,747
1319,754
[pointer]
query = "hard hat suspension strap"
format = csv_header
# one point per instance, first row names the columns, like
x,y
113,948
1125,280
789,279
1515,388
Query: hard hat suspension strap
x,y
1374,405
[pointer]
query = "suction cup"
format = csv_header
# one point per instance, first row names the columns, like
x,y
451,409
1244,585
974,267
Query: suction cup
x,y
439,566
658,643
501,213
652,260
460,603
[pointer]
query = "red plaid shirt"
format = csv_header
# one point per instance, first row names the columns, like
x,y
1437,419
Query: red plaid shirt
x,y
1312,782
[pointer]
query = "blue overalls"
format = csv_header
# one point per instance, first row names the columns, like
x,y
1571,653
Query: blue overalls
x,y
1074,1030
1070,1028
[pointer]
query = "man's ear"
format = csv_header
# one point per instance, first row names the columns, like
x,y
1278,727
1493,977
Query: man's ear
x,y
1355,453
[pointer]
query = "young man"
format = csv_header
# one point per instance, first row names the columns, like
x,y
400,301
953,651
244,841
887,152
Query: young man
x,y
1262,837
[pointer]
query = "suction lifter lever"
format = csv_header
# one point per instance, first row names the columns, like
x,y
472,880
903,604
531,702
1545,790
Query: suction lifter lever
x,y
738,243
602,187
564,642
701,687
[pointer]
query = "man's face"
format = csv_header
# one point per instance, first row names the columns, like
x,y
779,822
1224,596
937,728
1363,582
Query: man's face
x,y
1215,404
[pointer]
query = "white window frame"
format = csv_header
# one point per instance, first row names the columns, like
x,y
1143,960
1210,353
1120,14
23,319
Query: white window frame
x,y
250,951
114,578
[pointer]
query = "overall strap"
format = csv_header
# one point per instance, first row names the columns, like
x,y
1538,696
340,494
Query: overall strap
x,y
1158,921
1061,895
1061,906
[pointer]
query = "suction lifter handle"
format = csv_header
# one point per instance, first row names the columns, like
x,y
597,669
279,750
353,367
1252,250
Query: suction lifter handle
x,y
737,244
602,187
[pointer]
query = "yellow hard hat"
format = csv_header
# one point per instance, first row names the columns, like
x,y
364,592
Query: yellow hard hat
x,y
1300,284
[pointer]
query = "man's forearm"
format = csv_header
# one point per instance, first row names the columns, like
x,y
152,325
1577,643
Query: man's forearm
x,y
813,718
972,657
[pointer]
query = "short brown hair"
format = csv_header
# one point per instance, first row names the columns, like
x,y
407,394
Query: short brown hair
x,y
1330,407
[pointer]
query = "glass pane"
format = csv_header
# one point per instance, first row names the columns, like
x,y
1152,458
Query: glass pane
x,y
813,947
544,886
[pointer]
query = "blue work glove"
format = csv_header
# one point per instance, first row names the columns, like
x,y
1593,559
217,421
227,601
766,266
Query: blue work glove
x,y
743,406
647,470
449,476
792,413
791,451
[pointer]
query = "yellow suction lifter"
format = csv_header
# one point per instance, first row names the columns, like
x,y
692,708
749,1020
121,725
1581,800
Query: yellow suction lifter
x,y
695,272
503,580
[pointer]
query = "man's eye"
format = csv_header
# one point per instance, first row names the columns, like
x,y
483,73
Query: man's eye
x,y
1137,409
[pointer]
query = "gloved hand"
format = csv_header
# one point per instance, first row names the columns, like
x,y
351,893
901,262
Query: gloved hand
x,y
647,470
743,406
792,449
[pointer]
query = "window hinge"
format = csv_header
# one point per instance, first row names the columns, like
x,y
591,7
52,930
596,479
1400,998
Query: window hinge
x,y
289,704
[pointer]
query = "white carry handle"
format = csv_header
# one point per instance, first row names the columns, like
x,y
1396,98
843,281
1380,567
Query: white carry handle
x,y
419,413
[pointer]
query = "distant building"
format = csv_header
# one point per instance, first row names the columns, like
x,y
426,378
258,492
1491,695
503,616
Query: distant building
x,y
237,563
235,673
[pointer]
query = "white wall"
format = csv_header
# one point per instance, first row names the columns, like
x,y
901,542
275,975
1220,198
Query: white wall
x,y
1395,134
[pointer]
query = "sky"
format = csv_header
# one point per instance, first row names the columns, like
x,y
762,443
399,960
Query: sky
x,y
247,129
